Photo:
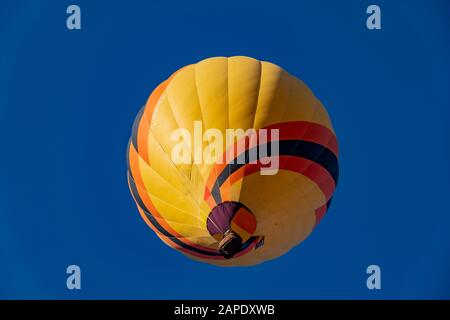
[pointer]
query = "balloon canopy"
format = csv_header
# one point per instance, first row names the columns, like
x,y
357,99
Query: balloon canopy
x,y
232,161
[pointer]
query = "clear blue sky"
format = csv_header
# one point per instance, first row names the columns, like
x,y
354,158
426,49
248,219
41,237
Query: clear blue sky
x,y
68,100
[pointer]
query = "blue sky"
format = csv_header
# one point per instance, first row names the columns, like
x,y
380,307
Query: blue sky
x,y
68,100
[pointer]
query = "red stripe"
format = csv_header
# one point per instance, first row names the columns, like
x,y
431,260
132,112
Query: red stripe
x,y
308,131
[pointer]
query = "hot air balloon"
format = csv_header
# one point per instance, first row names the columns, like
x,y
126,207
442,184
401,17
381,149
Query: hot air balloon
x,y
210,206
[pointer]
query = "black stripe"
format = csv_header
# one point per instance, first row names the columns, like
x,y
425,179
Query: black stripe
x,y
216,193
134,129
128,154
296,148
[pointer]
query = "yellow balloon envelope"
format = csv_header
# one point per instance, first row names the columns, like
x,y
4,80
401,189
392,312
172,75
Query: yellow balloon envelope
x,y
232,161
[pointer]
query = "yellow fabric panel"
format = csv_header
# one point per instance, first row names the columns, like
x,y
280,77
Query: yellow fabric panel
x,y
183,98
170,202
161,163
304,106
163,123
198,180
321,116
273,95
243,87
211,78
235,191
283,218
195,234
